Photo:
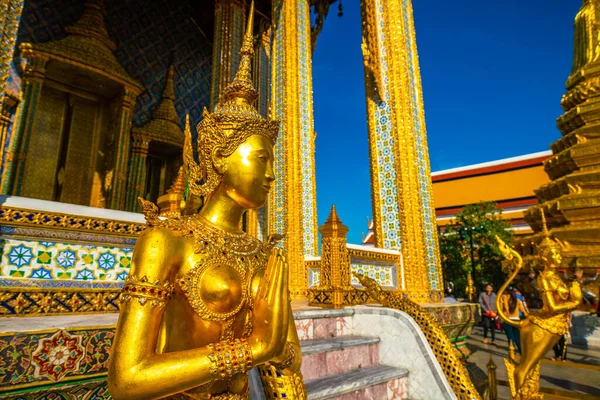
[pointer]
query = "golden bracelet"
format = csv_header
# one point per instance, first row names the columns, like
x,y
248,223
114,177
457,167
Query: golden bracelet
x,y
230,357
290,355
154,293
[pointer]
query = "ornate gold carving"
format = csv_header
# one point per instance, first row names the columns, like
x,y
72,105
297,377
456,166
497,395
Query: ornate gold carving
x,y
11,15
277,385
442,348
144,291
16,216
402,196
34,301
335,288
288,359
370,45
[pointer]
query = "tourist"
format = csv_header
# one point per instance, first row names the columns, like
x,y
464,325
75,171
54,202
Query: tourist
x,y
448,295
513,308
487,301
521,298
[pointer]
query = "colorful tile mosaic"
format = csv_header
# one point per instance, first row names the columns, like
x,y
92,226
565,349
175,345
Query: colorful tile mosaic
x,y
277,196
41,358
384,273
307,136
56,261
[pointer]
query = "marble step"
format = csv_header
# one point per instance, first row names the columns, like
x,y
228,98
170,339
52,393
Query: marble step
x,y
380,382
323,323
335,355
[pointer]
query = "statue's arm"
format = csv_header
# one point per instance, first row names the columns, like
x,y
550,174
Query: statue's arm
x,y
136,371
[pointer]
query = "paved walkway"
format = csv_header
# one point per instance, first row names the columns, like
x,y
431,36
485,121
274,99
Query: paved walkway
x,y
578,377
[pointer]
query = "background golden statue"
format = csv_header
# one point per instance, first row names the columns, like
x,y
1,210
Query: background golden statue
x,y
204,301
543,328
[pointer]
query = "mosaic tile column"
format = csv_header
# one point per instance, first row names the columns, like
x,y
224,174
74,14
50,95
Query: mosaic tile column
x,y
136,183
292,208
33,78
257,220
10,16
403,210
121,151
230,17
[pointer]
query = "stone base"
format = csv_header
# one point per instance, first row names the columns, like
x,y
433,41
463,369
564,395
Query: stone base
x,y
586,329
457,320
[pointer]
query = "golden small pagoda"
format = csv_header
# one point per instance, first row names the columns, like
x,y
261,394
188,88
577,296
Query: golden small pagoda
x,y
156,152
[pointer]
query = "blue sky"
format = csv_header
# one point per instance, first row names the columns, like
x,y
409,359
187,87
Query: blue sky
x,y
493,74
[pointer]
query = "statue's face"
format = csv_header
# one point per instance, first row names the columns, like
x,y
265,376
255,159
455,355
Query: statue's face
x,y
248,176
554,257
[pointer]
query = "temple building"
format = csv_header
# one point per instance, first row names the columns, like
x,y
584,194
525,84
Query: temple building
x,y
100,98
511,183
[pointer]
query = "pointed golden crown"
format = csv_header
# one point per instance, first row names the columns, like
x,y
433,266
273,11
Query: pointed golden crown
x,y
547,242
233,121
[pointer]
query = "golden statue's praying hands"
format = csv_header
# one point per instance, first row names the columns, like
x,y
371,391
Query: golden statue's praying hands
x,y
205,302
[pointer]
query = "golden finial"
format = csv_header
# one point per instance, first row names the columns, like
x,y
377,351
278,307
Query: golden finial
x,y
544,226
241,89
546,243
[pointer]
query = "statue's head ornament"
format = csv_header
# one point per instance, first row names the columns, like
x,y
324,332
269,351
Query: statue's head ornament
x,y
547,244
233,121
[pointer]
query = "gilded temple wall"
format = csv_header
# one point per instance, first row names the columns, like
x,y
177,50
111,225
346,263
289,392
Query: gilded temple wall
x,y
145,33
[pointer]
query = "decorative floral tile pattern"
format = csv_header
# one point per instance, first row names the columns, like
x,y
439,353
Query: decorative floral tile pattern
x,y
384,273
52,260
58,355
43,358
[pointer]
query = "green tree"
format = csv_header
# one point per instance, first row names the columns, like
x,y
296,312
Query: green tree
x,y
468,244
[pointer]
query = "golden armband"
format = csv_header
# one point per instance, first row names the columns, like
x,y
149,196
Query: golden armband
x,y
230,357
288,359
144,291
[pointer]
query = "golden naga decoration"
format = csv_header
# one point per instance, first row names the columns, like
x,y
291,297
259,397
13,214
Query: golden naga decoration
x,y
455,372
206,302
542,329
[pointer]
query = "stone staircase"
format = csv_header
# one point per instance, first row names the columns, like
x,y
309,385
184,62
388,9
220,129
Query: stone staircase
x,y
336,364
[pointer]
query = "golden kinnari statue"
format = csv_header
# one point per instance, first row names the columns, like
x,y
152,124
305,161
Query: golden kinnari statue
x,y
542,329
204,301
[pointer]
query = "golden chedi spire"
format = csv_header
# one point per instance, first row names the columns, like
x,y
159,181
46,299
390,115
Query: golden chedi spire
x,y
233,121
569,205
333,225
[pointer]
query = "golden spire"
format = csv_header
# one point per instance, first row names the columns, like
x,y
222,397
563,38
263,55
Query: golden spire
x,y
333,225
546,242
241,91
544,226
